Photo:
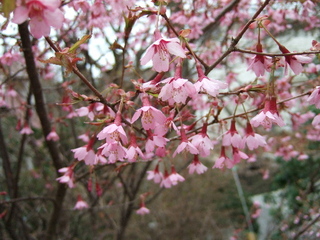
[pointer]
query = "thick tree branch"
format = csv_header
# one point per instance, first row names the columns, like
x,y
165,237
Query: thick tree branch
x,y
45,123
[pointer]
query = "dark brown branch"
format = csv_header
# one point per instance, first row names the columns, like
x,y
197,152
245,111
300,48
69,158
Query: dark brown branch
x,y
298,234
211,26
45,123
23,199
6,165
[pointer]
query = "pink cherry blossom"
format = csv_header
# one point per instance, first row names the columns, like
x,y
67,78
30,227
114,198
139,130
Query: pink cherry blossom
x,y
155,140
294,61
81,204
175,177
202,142
260,63
238,155
83,153
53,136
133,151
314,98
143,210
151,117
208,85
197,166
155,175
177,90
166,180
26,129
316,122
223,160
68,176
232,137
268,115
252,139
185,145
114,132
42,14
114,151
159,52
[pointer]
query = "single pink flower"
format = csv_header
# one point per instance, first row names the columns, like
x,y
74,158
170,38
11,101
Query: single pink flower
x,y
185,145
81,204
316,122
133,151
166,181
197,166
314,98
252,139
238,155
42,14
268,115
26,129
159,52
202,142
294,61
177,90
68,176
114,132
113,151
143,210
175,177
53,136
155,175
208,85
223,160
86,153
232,137
151,117
155,140
260,63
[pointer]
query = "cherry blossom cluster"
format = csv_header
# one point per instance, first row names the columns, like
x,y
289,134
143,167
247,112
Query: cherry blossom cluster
x,y
176,112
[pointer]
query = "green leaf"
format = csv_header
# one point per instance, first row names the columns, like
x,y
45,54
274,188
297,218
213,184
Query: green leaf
x,y
77,44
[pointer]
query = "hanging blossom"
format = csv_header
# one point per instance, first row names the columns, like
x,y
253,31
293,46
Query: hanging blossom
x,y
81,204
42,14
268,115
134,151
175,177
155,140
151,117
185,144
155,175
260,63
238,155
252,139
68,176
166,180
114,132
197,166
142,210
207,85
177,89
294,61
52,136
86,153
232,137
159,52
202,142
223,160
